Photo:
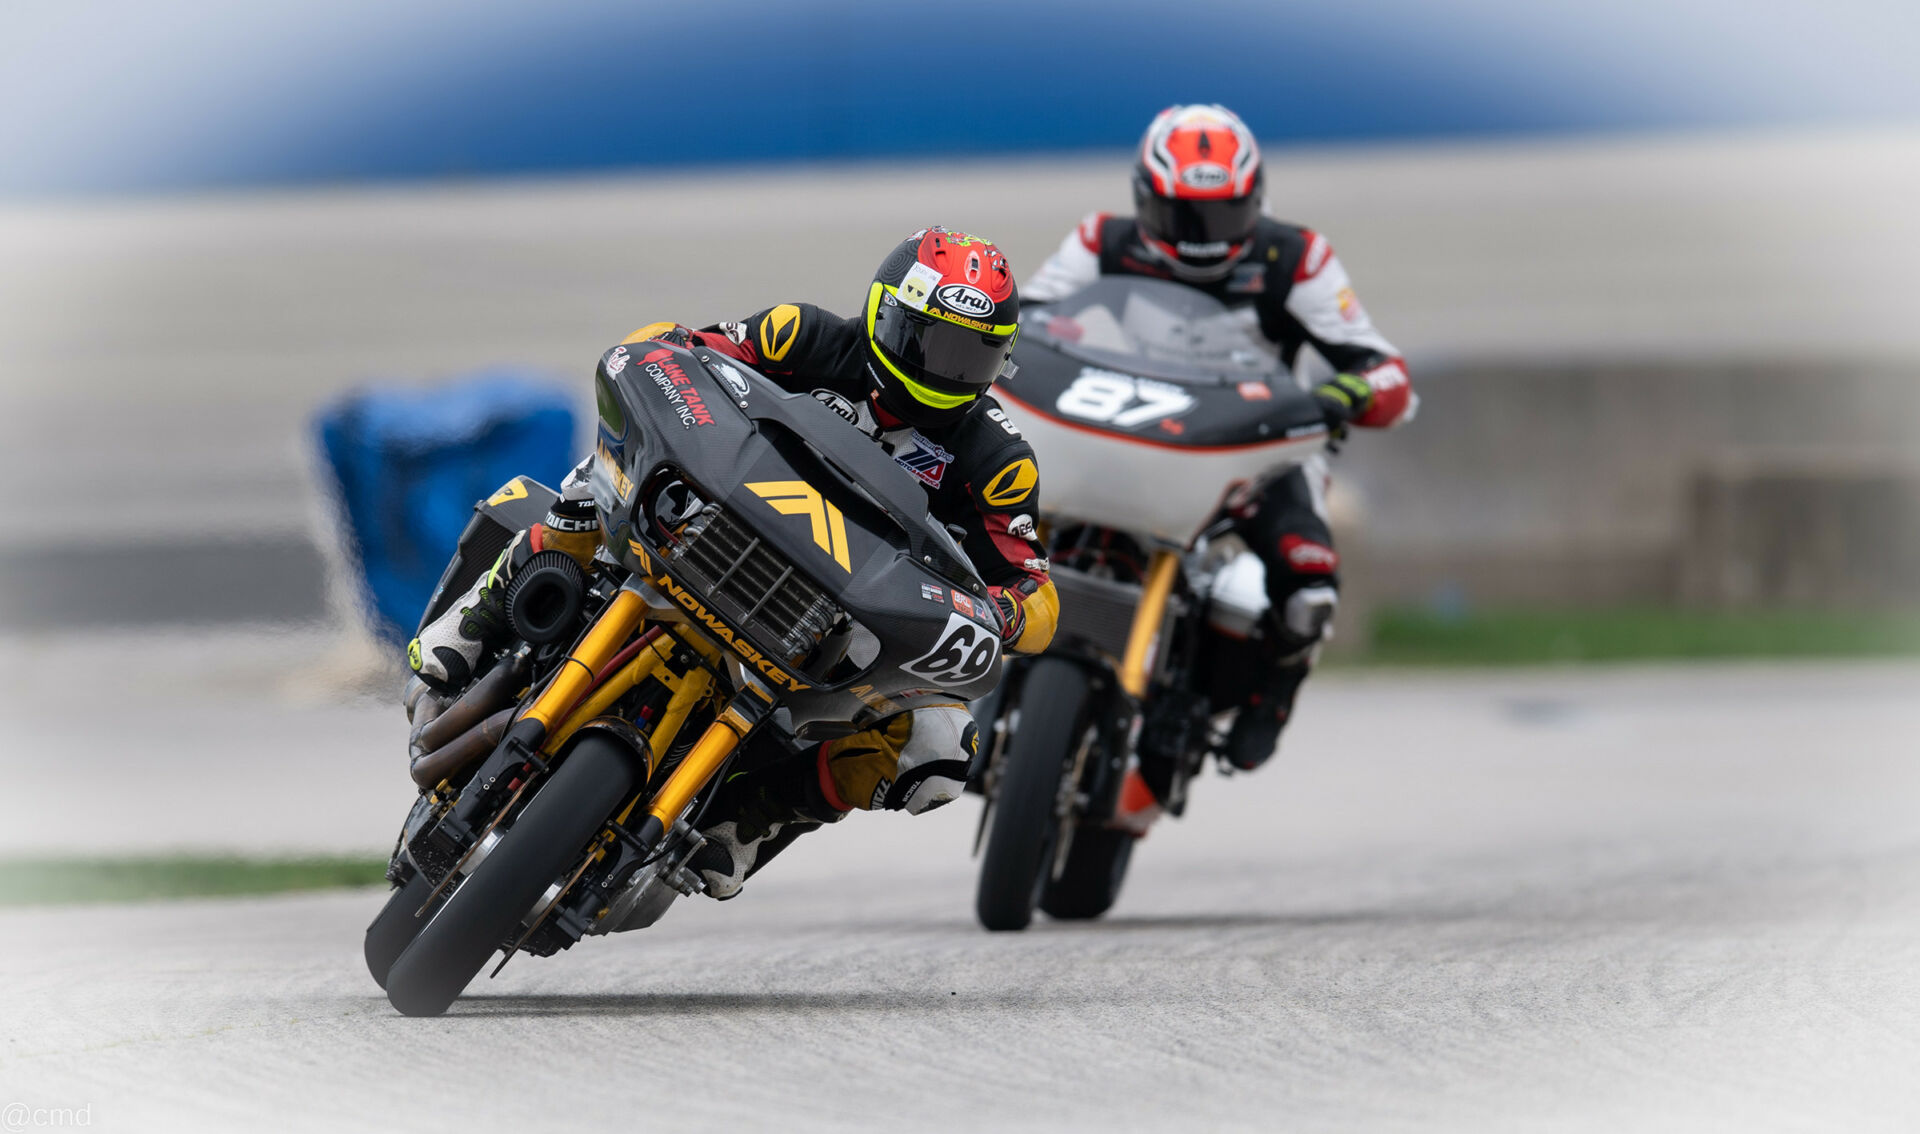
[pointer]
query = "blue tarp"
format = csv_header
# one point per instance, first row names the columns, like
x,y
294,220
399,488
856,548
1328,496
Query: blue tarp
x,y
408,463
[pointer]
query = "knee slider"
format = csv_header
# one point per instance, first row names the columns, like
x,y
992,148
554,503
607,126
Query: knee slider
x,y
932,767
1308,613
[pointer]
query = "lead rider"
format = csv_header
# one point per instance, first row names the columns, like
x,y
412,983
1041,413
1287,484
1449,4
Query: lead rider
x,y
936,330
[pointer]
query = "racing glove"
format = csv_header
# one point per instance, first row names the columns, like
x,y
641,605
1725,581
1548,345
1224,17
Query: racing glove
x,y
676,333
1342,398
1028,612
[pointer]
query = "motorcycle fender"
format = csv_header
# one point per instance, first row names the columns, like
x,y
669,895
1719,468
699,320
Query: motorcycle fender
x,y
630,737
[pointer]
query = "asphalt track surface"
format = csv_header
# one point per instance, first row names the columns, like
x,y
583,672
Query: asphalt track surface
x,y
1607,899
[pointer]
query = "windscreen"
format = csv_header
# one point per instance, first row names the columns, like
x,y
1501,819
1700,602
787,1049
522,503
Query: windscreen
x,y
1155,329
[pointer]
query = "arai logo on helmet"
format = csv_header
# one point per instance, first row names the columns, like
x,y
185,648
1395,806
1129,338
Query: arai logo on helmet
x,y
964,299
1205,175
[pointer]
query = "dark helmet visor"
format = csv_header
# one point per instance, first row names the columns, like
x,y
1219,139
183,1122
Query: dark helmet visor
x,y
946,356
1226,220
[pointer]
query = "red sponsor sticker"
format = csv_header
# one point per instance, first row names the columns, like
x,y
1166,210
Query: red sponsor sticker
x,y
1255,392
963,604
1306,555
677,388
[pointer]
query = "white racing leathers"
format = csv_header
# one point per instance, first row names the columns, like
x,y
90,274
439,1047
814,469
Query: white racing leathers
x,y
1294,289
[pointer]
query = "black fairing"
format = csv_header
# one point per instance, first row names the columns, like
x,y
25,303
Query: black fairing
x,y
668,412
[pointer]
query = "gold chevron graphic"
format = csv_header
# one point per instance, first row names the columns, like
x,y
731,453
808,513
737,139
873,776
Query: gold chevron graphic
x,y
798,498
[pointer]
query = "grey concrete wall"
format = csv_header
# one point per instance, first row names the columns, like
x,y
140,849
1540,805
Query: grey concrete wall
x,y
1589,322
1543,483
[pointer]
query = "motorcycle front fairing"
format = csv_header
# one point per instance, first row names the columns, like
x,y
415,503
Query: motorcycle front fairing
x,y
1146,400
823,535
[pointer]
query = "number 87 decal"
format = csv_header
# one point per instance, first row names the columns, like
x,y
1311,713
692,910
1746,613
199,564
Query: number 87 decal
x,y
1108,396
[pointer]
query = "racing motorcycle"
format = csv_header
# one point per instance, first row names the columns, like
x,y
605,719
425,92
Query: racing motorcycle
x,y
764,575
1154,411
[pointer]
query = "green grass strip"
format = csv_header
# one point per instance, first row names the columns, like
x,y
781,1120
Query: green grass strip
x,y
1404,636
64,881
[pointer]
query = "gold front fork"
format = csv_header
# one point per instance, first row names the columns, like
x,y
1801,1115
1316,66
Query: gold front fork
x,y
611,631
1136,665
709,752
559,710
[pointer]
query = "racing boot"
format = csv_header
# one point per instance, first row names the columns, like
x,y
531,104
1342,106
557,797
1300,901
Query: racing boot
x,y
449,648
1298,627
781,804
1256,730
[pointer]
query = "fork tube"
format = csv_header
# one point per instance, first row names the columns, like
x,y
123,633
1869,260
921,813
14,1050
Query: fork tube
x,y
615,625
609,691
692,688
709,752
1138,660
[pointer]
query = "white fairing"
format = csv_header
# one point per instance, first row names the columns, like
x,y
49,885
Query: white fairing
x,y
1164,492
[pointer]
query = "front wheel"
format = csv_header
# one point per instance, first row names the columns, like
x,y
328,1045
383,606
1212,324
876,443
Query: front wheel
x,y
1090,881
1025,829
487,909
395,926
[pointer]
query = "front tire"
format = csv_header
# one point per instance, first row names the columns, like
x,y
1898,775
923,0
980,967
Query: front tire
x,y
1025,831
487,908
1090,881
395,926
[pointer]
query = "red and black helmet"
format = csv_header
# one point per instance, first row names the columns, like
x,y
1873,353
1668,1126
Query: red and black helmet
x,y
1197,189
942,315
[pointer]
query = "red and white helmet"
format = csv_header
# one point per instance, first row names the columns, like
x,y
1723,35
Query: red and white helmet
x,y
1197,189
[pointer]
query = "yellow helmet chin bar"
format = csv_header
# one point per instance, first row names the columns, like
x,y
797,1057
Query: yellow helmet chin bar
x,y
926,395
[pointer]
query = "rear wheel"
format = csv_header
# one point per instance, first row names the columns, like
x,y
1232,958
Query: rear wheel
x,y
1024,831
1096,866
487,909
395,927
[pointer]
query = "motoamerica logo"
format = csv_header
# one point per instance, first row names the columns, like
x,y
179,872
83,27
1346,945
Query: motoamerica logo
x,y
678,388
924,460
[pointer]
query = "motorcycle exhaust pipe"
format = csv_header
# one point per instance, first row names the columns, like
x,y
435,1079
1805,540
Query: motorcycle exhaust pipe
x,y
429,768
422,705
486,695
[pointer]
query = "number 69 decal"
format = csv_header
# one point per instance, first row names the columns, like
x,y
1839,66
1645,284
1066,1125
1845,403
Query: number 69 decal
x,y
965,654
1109,396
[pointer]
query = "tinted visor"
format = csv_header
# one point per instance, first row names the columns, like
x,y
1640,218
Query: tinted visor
x,y
946,356
1226,220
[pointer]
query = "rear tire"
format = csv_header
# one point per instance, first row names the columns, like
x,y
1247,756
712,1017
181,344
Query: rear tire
x,y
395,927
486,910
1024,831
1088,885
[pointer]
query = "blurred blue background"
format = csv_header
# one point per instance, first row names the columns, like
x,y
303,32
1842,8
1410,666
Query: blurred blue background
x,y
405,466
116,96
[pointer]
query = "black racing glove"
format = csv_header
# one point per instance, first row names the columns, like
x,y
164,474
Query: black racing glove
x,y
1341,399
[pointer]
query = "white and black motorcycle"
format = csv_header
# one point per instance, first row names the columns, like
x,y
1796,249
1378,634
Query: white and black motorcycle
x,y
1152,408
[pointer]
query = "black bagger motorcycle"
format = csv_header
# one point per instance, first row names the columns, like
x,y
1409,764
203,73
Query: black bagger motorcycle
x,y
765,571
1151,407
